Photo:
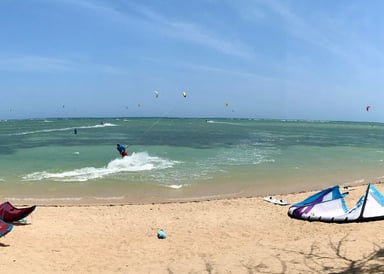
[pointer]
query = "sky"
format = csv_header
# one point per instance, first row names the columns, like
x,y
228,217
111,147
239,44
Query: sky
x,y
262,59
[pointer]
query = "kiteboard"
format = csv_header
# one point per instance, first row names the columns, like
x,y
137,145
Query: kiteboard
x,y
348,188
275,201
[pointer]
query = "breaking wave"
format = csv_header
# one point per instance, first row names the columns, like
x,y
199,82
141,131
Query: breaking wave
x,y
62,129
136,162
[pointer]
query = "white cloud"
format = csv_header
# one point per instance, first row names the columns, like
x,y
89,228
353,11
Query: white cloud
x,y
145,17
54,64
339,35
35,63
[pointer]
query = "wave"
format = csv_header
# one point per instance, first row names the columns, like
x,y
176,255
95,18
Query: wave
x,y
223,123
136,162
173,186
62,129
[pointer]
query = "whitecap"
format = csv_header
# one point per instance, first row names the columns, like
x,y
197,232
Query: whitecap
x,y
63,129
174,186
134,163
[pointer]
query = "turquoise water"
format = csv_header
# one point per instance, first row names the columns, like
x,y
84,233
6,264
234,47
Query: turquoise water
x,y
44,161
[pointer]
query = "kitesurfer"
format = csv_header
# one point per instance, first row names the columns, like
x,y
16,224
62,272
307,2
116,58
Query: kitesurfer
x,y
122,150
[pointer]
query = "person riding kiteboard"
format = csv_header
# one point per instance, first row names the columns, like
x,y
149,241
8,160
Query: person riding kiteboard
x,y
122,150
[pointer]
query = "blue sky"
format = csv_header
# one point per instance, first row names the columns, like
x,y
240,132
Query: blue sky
x,y
321,60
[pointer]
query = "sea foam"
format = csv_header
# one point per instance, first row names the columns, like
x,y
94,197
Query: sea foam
x,y
63,129
136,162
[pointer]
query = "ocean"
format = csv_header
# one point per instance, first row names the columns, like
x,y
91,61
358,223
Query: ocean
x,y
44,161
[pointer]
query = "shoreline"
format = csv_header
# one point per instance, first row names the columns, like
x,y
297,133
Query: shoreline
x,y
106,201
55,202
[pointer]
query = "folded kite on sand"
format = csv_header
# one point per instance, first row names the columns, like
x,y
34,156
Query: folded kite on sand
x,y
329,205
5,228
9,213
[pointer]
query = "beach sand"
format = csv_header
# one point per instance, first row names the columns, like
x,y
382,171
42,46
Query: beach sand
x,y
242,235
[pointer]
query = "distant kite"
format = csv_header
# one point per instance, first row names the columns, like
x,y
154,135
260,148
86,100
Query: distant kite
x,y
367,108
156,93
184,94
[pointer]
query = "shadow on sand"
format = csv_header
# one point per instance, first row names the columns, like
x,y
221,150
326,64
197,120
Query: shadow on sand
x,y
317,261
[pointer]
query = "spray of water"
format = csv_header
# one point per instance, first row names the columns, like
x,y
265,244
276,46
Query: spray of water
x,y
136,162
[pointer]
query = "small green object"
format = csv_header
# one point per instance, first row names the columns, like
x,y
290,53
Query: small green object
x,y
161,234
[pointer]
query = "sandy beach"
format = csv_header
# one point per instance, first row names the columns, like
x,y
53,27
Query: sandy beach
x,y
242,235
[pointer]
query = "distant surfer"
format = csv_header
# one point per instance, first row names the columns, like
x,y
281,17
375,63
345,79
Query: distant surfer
x,y
122,150
75,131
